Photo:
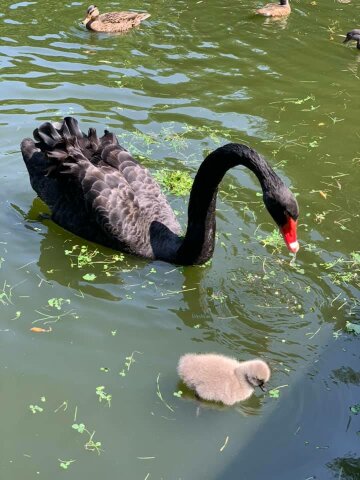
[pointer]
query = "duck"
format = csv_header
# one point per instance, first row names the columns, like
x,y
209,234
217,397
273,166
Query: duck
x,y
98,191
219,378
353,35
275,9
112,21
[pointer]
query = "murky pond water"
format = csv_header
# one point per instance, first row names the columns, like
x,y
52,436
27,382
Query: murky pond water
x,y
193,77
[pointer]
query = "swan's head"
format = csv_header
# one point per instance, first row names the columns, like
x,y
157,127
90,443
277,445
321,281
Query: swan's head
x,y
257,373
283,208
353,35
91,13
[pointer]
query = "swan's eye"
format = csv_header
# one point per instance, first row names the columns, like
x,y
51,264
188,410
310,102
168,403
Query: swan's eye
x,y
294,214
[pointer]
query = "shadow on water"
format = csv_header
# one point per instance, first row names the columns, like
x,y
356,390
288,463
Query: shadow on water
x,y
61,260
318,435
347,467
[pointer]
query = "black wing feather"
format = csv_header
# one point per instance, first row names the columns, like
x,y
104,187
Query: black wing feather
x,y
95,188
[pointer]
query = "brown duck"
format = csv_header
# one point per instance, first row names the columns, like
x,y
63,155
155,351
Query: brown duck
x,y
275,9
112,21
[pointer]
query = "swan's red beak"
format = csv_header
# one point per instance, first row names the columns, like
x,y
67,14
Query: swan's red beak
x,y
288,231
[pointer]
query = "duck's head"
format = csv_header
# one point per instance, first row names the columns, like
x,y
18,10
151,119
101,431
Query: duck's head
x,y
353,35
91,13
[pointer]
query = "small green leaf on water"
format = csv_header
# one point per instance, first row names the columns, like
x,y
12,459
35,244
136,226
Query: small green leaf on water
x,y
274,393
355,409
104,369
57,302
90,277
178,394
353,328
64,464
100,392
79,427
36,409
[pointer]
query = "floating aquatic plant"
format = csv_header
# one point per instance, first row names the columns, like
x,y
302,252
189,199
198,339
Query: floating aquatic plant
x,y
177,182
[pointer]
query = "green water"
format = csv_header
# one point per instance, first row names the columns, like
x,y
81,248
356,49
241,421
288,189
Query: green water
x,y
194,76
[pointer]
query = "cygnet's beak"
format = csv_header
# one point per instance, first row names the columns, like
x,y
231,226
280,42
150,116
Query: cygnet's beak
x,y
262,386
347,39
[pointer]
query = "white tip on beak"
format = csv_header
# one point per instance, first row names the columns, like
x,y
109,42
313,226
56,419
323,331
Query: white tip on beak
x,y
294,246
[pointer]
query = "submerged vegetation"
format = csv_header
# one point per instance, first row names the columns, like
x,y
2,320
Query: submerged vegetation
x,y
177,182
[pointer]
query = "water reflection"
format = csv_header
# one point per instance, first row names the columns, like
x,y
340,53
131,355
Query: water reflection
x,y
251,406
346,468
346,375
55,265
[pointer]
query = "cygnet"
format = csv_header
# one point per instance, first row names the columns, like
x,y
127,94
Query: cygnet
x,y
222,379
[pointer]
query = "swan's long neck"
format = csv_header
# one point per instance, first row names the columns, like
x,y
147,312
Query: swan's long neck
x,y
198,244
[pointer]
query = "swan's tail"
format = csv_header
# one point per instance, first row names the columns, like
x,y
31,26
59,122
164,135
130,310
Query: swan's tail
x,y
56,146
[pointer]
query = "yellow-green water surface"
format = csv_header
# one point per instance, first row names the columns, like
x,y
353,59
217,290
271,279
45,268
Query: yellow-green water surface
x,y
196,75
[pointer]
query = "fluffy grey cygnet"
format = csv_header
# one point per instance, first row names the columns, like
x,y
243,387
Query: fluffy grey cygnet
x,y
222,379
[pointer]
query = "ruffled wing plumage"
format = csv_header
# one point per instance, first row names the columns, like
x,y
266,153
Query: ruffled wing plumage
x,y
123,17
95,188
117,21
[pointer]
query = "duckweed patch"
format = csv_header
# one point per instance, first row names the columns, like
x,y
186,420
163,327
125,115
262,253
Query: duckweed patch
x,y
65,464
57,302
355,409
274,240
353,328
35,409
177,182
103,396
128,362
91,445
82,256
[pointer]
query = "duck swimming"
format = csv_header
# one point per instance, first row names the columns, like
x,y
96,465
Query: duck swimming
x,y
353,35
97,190
222,379
275,9
113,21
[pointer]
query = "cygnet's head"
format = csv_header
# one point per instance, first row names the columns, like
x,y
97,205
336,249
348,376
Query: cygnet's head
x,y
257,373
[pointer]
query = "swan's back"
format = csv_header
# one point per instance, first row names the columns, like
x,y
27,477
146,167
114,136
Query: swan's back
x,y
96,190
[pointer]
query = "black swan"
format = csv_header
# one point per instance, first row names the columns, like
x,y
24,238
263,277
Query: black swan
x,y
353,35
222,379
95,189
